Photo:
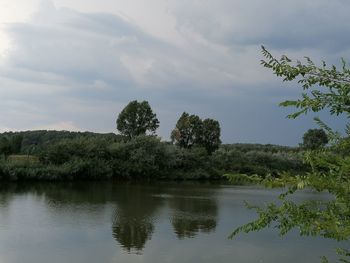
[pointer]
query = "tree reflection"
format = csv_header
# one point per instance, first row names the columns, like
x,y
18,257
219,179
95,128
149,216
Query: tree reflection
x,y
132,233
7,191
133,218
193,212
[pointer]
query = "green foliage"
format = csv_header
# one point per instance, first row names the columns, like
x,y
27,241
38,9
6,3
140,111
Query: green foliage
x,y
327,87
34,142
146,157
211,135
62,155
143,157
5,146
10,144
258,159
191,131
314,139
136,119
16,143
188,131
193,163
315,218
62,151
76,168
330,167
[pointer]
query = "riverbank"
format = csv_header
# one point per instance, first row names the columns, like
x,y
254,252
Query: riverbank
x,y
66,156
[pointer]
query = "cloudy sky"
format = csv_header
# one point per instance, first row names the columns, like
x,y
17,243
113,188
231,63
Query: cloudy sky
x,y
74,64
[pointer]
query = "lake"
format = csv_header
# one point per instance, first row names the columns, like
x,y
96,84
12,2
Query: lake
x,y
132,222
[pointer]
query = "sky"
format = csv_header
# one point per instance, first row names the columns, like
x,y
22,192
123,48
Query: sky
x,y
75,64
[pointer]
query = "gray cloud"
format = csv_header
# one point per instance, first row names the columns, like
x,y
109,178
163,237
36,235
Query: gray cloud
x,y
75,70
278,24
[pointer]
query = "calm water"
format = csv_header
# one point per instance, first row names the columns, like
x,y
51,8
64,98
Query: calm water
x,y
119,222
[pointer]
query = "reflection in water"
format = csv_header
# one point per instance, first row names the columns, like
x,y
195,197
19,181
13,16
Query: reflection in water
x,y
62,194
65,203
193,207
72,222
132,234
193,212
133,218
6,194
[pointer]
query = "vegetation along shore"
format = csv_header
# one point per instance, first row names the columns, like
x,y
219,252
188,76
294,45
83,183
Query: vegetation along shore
x,y
194,152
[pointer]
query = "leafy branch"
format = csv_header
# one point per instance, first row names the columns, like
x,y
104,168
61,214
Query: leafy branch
x,y
324,88
335,84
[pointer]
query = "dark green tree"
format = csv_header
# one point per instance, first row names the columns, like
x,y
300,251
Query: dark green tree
x,y
16,143
188,131
314,139
211,135
136,119
5,146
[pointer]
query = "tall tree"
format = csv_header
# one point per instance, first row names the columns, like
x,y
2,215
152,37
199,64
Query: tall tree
x,y
211,135
188,131
314,139
136,119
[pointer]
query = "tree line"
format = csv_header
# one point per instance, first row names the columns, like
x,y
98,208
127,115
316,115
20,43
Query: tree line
x,y
194,152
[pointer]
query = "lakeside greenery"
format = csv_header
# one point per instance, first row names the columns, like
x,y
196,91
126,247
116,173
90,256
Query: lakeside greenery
x,y
194,152
62,155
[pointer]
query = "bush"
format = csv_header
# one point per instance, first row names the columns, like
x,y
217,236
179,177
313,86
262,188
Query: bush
x,y
146,157
143,157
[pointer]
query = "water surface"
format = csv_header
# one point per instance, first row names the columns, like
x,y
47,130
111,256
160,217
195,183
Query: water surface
x,y
128,222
